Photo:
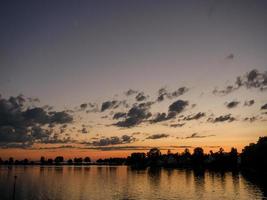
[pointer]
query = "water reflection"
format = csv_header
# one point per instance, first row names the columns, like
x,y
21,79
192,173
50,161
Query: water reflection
x,y
120,182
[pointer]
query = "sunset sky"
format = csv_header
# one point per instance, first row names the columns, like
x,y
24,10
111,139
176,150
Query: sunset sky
x,y
108,78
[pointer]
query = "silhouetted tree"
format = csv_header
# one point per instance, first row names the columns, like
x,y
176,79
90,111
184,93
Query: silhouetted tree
x,y
87,160
50,161
70,162
198,157
254,156
42,160
59,160
10,161
154,156
78,161
25,161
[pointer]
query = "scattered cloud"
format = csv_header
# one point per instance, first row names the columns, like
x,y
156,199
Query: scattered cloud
x,y
252,79
158,136
109,104
140,96
250,119
114,140
196,135
135,116
131,92
178,106
249,103
195,116
177,125
25,125
264,107
163,93
222,118
119,115
232,104
230,56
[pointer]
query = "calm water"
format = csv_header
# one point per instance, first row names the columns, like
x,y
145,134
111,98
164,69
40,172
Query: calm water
x,y
103,182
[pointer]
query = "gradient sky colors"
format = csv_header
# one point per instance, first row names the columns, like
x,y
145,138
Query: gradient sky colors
x,y
75,61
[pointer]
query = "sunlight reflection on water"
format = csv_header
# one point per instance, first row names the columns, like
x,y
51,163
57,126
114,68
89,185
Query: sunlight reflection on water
x,y
123,183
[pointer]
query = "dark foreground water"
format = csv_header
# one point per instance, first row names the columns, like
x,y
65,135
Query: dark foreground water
x,y
104,182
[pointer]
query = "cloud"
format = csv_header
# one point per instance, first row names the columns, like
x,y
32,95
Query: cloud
x,y
158,136
196,135
119,115
230,56
83,106
249,103
178,106
114,140
131,148
225,91
140,96
177,125
130,92
175,108
222,118
159,118
195,116
162,93
250,119
252,79
136,115
22,124
108,105
264,107
180,91
232,104
84,130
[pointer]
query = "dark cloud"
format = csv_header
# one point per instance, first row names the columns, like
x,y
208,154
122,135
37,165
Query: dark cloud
x,y
232,104
196,135
264,107
195,116
249,103
115,140
130,92
223,118
180,91
250,119
83,106
19,124
108,105
225,91
178,106
136,115
163,93
175,108
140,96
84,130
159,118
252,79
158,136
230,57
177,125
119,115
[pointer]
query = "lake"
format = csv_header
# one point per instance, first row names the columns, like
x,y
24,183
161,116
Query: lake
x,y
123,183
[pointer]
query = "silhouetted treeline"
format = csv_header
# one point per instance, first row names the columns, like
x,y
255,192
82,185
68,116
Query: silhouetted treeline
x,y
197,159
253,157
59,160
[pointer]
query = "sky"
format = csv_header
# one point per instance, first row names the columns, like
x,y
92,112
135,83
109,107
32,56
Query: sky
x,y
108,78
